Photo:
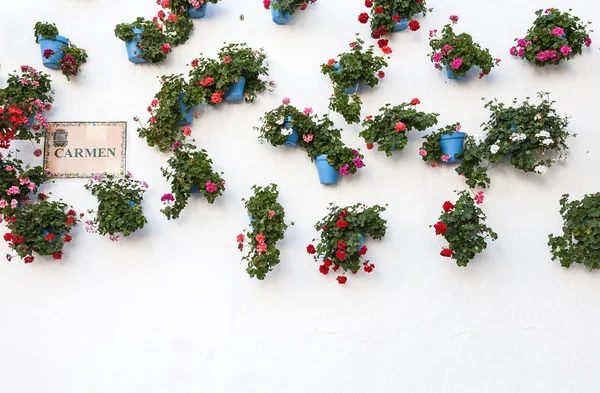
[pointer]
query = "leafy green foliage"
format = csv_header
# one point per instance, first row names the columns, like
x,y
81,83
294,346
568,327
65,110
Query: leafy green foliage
x,y
290,6
450,47
580,241
382,129
431,151
341,232
48,31
79,54
532,135
17,182
464,228
268,227
205,79
383,22
276,127
541,39
41,227
151,42
119,205
189,167
357,65
246,62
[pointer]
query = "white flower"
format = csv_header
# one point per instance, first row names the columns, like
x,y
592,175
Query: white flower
x,y
538,117
517,136
478,138
268,128
286,131
543,134
547,142
562,157
541,169
494,149
280,121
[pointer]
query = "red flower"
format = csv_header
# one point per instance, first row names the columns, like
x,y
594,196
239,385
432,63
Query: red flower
x,y
172,18
381,74
18,239
67,238
71,212
414,25
343,214
378,10
165,48
387,50
415,101
362,251
368,3
324,227
153,120
440,228
342,224
323,269
216,97
57,255
382,43
335,268
342,245
396,18
50,237
29,259
48,53
226,59
311,249
207,81
363,18
37,152
161,14
340,255
446,252
341,279
8,237
331,62
71,221
195,63
353,45
303,6
369,268
10,219
447,206
327,262
369,146
266,4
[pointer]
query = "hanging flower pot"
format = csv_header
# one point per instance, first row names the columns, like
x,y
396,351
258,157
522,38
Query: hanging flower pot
x,y
279,17
450,74
293,138
51,50
443,145
349,90
402,25
134,53
452,144
236,92
197,13
327,173
186,111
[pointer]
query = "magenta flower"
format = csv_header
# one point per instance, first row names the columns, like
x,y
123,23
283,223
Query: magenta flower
x,y
521,52
548,10
358,163
211,187
456,63
521,42
98,177
454,18
167,197
558,31
344,170
587,41
565,50
307,111
422,152
479,198
175,145
432,33
286,100
513,51
447,48
437,57
144,184
542,56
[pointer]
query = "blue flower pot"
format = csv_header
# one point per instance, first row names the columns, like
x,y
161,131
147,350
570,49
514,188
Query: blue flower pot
x,y
194,190
55,45
281,18
451,75
293,138
348,90
362,241
236,92
197,13
131,203
187,113
327,173
31,121
452,144
402,25
133,52
251,220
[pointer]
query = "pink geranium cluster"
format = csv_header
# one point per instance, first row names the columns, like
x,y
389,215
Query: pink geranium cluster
x,y
357,162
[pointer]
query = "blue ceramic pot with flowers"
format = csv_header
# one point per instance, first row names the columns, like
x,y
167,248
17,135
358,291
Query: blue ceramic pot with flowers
x,y
51,50
236,92
185,111
197,13
134,53
452,144
279,17
402,25
349,90
362,241
327,173
293,138
450,74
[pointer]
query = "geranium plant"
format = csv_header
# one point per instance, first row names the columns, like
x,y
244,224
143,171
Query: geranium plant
x,y
280,122
11,119
388,129
343,231
208,81
73,56
431,150
462,224
239,61
178,26
119,205
190,171
41,228
154,45
163,129
357,66
288,6
458,53
580,241
267,218
17,182
533,136
385,14
554,36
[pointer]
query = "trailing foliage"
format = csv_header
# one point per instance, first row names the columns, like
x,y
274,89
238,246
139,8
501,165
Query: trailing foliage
x,y
386,13
289,6
73,57
431,151
153,43
17,182
48,31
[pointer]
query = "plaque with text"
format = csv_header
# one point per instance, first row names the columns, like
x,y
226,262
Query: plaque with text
x,y
83,149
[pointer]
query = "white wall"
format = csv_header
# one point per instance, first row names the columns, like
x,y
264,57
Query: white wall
x,y
171,309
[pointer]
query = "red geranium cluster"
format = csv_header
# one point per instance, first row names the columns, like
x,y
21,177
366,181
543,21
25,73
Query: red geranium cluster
x,y
11,118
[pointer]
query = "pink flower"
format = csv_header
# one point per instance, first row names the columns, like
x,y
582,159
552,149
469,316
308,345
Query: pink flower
x,y
175,145
240,238
548,10
521,42
542,56
307,111
261,248
260,238
521,52
9,168
587,41
437,57
271,214
454,18
513,51
167,197
432,33
447,48
166,48
13,190
422,152
358,162
114,238
344,170
433,164
445,157
3,203
14,203
400,126
187,131
479,198
37,152
456,63
286,100
457,128
565,50
31,186
144,184
98,177
308,137
211,187
558,31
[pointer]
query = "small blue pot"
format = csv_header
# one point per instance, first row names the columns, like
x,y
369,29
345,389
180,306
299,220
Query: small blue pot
x,y
293,138
513,127
402,25
197,13
187,113
131,203
451,75
194,190
31,121
452,145
251,220
327,173
280,18
362,242
134,53
348,90
56,45
236,92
